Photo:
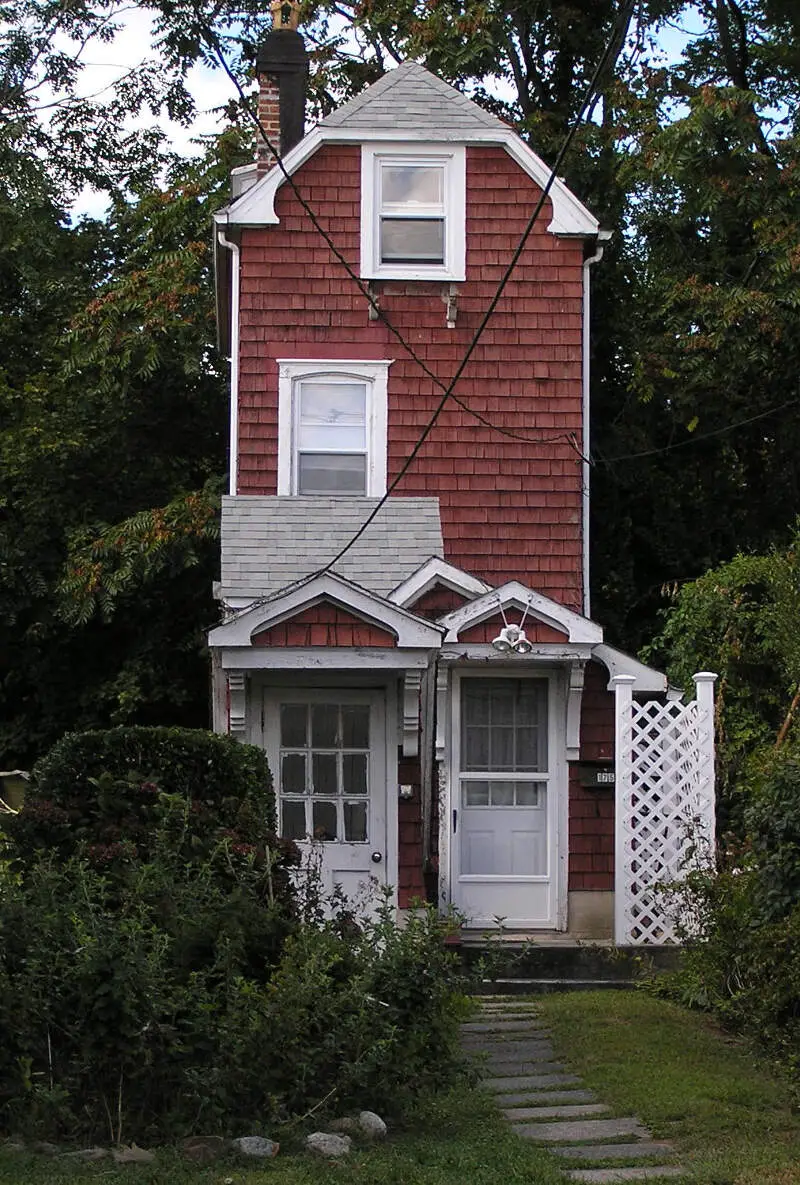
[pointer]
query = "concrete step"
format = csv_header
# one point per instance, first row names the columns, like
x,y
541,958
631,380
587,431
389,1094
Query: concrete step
x,y
579,1130
545,1098
500,1025
646,1150
517,1082
559,1111
654,1172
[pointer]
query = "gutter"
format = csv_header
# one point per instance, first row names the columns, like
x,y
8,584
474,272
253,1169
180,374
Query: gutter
x,y
234,358
602,237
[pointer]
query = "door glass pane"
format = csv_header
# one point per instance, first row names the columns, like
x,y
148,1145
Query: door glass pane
x,y
475,793
355,726
355,822
527,794
354,773
324,779
476,746
412,240
293,726
331,473
502,793
501,749
504,725
324,726
324,820
293,824
293,773
412,185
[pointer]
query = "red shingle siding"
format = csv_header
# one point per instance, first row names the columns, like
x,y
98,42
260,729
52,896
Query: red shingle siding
x,y
437,601
591,812
510,509
324,625
535,631
410,881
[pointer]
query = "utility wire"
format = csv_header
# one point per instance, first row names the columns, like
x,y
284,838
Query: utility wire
x,y
447,390
363,288
695,439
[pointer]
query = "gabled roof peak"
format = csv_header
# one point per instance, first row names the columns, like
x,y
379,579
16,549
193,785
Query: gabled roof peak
x,y
410,98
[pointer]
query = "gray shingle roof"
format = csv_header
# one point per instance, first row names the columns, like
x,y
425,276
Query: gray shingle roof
x,y
410,98
269,543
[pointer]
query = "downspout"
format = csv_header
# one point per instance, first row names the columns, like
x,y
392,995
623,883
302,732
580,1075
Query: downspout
x,y
234,356
602,236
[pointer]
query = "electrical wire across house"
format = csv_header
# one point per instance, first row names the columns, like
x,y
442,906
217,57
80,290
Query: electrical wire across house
x,y
447,389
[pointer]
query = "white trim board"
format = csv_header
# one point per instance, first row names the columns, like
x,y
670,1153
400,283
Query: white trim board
x,y
514,594
437,571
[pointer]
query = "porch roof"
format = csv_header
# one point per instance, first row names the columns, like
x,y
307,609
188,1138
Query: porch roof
x,y
272,542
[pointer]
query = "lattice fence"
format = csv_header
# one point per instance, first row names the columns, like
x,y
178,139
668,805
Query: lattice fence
x,y
665,806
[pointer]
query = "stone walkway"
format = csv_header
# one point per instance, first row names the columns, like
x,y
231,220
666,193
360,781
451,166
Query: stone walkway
x,y
545,1104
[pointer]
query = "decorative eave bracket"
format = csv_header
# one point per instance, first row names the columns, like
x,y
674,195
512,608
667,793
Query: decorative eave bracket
x,y
577,671
412,684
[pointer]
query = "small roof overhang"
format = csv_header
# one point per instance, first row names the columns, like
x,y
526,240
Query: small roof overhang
x,y
514,595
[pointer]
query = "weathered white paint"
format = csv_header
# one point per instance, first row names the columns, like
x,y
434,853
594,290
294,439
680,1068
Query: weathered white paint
x,y
518,596
437,571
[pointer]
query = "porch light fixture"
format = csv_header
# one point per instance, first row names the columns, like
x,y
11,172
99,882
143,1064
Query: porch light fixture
x,y
512,637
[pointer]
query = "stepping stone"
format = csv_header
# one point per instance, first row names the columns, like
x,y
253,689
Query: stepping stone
x,y
527,1047
530,1082
589,1129
561,1111
545,1098
495,1069
496,1026
612,1176
647,1150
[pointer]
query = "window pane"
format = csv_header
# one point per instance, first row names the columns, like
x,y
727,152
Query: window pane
x,y
293,824
354,773
331,473
355,821
293,773
333,403
355,726
502,705
476,793
331,438
514,737
325,780
527,794
324,726
502,793
412,185
501,750
412,240
293,726
532,749
476,749
324,820
476,703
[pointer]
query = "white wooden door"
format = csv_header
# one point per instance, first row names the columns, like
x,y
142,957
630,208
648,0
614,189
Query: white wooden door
x,y
327,753
503,816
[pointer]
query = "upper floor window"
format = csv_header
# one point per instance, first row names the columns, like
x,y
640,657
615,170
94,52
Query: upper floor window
x,y
412,213
332,427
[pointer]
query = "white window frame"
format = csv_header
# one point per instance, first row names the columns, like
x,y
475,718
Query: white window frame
x,y
453,159
375,374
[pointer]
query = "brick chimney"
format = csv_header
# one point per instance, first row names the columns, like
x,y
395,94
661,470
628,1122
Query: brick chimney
x,y
282,71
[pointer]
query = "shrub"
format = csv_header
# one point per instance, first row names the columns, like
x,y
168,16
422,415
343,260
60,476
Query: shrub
x,y
773,824
110,791
146,1015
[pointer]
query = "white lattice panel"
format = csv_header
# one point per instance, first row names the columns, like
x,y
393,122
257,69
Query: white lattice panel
x,y
665,807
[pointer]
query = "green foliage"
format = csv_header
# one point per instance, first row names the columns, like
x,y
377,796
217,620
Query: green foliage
x,y
118,788
773,825
170,1000
739,620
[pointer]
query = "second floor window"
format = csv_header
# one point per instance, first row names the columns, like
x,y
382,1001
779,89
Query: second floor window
x,y
331,436
332,427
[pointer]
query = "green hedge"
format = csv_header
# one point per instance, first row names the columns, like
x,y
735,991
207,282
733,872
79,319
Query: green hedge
x,y
109,790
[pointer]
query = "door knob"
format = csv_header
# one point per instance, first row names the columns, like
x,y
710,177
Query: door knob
x,y
376,857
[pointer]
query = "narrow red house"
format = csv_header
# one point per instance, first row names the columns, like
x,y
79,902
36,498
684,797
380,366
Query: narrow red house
x,y
435,705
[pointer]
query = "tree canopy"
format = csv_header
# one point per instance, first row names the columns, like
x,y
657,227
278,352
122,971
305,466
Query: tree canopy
x,y
112,395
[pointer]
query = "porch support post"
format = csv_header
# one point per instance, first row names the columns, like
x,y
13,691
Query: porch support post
x,y
623,767
704,693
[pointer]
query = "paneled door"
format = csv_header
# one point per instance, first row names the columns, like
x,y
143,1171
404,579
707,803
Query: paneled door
x,y
503,819
328,757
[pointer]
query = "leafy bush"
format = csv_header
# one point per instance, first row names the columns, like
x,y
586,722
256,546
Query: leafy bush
x,y
148,1013
773,825
110,791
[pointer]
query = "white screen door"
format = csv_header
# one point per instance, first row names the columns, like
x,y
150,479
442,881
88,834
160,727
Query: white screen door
x,y
502,814
328,759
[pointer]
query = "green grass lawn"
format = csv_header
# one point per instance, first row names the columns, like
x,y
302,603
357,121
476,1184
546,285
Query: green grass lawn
x,y
729,1118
